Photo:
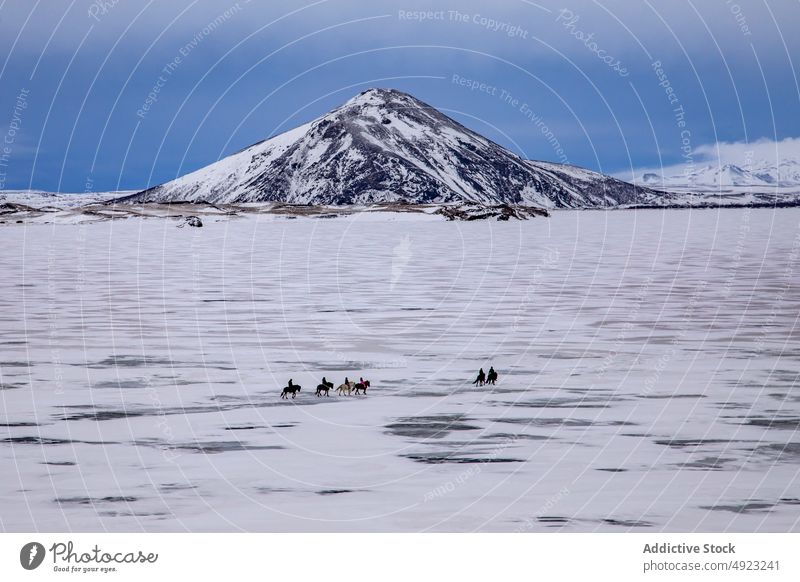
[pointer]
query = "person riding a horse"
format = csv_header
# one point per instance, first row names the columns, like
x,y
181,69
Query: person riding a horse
x,y
362,386
324,387
292,389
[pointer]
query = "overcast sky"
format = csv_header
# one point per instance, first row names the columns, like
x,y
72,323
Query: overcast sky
x,y
76,76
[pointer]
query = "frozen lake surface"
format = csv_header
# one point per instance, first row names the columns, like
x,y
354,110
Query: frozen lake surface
x,y
649,365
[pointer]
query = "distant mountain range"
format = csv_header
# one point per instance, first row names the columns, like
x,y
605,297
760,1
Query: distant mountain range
x,y
57,200
761,174
384,145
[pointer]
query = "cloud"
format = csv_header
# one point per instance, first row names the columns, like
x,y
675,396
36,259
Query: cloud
x,y
763,151
739,152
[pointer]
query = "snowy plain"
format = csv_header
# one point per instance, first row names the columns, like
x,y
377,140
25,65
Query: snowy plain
x,y
648,361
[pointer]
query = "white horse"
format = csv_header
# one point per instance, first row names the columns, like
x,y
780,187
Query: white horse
x,y
346,387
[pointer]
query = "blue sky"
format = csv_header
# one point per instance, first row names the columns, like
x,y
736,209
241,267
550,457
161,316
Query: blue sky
x,y
564,81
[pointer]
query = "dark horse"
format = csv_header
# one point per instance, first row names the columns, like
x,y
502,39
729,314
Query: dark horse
x,y
325,386
362,386
491,378
481,379
292,389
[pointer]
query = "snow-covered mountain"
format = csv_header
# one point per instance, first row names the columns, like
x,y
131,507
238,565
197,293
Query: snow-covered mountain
x,y
760,174
785,173
384,145
42,199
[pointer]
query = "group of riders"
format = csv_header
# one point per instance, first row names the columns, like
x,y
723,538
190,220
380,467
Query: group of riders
x,y
360,387
490,378
348,387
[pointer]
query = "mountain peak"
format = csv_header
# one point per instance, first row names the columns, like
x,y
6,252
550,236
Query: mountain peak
x,y
380,95
732,168
379,102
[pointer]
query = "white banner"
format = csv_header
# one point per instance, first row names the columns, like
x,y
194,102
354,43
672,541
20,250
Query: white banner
x,y
401,557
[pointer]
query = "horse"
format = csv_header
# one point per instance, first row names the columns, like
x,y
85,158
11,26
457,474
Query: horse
x,y
362,387
324,387
346,387
292,389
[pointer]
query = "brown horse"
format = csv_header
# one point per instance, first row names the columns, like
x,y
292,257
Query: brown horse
x,y
362,387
